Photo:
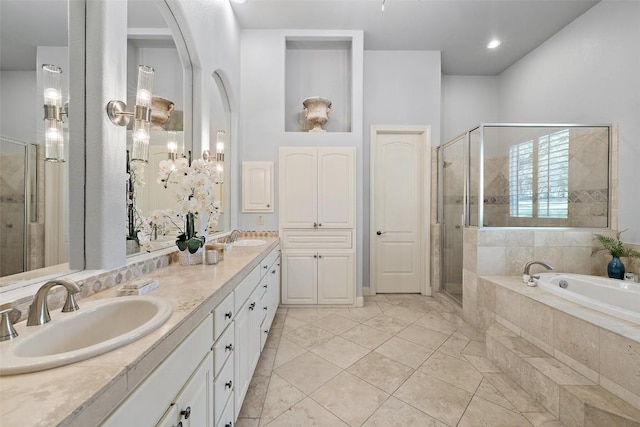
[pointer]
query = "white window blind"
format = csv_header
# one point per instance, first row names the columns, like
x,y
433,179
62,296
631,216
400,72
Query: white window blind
x,y
549,158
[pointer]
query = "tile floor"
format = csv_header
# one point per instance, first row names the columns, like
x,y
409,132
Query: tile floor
x,y
401,360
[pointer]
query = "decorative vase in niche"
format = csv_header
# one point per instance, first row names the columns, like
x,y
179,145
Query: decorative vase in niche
x,y
615,268
316,111
187,258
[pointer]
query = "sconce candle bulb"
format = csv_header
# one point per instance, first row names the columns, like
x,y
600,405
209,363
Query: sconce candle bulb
x,y
53,112
220,155
172,145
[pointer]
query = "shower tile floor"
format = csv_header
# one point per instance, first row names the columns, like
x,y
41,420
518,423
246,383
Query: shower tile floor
x,y
401,360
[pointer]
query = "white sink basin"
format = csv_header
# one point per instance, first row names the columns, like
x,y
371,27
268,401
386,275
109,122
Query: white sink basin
x,y
98,327
249,243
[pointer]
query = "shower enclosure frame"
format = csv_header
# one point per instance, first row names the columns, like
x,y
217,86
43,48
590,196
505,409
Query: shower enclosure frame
x,y
466,209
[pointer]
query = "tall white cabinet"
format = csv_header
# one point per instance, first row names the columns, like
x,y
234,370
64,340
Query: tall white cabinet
x,y
317,193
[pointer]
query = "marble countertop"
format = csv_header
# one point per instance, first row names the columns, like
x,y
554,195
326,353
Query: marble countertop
x,y
84,393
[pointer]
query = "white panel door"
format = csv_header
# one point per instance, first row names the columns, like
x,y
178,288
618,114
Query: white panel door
x,y
397,192
298,187
299,277
336,277
257,186
336,187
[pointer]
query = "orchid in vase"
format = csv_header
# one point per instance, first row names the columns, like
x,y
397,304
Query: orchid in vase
x,y
196,197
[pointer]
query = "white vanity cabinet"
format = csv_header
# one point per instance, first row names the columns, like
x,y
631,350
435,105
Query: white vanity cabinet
x,y
181,384
203,382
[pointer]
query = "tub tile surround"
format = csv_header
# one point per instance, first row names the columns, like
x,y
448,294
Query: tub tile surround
x,y
100,383
565,355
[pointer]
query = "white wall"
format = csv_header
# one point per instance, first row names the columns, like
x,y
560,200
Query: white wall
x,y
400,88
588,73
468,101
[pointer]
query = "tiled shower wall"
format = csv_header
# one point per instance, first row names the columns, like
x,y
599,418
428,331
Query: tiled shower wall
x,y
588,179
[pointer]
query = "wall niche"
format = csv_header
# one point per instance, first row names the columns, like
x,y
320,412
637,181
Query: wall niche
x,y
319,66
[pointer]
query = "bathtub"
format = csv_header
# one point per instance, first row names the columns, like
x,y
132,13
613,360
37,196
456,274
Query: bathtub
x,y
614,297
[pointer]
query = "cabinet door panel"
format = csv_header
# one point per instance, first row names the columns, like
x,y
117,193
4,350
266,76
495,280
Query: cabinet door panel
x,y
336,187
299,277
242,376
257,186
196,398
335,277
298,187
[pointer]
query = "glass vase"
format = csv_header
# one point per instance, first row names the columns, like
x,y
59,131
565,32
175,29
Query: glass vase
x,y
615,268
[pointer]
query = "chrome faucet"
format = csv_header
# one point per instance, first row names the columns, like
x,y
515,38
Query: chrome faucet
x,y
527,278
233,236
39,309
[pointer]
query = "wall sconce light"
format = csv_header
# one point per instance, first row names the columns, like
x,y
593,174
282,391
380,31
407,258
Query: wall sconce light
x,y
220,155
172,145
53,114
117,112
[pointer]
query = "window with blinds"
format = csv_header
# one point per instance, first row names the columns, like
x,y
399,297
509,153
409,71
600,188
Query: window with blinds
x,y
549,159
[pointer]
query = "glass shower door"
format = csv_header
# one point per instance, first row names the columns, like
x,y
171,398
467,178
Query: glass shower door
x,y
13,218
452,216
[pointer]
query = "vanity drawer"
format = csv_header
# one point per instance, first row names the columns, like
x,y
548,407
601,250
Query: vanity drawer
x,y
223,389
246,287
223,315
268,261
222,349
316,239
227,416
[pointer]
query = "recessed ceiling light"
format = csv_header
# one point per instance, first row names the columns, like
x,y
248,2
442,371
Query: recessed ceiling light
x,y
493,44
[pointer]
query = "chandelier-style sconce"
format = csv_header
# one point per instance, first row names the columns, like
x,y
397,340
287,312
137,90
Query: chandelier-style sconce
x,y
117,112
53,114
172,145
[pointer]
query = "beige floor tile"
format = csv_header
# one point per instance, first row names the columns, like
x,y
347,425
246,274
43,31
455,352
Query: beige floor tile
x,y
542,419
291,323
254,399
380,371
306,314
403,313
376,298
471,333
475,348
287,351
280,396
423,336
396,299
435,322
421,305
366,336
482,413
265,363
332,311
384,305
482,364
309,336
454,345
489,392
308,372
403,351
278,321
248,422
341,352
453,371
362,314
514,393
396,413
273,340
350,398
307,413
335,324
434,397
387,324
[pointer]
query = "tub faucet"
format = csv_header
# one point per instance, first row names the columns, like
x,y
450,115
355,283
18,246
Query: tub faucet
x,y
527,278
39,309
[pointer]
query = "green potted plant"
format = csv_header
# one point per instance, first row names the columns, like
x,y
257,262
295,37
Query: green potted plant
x,y
617,250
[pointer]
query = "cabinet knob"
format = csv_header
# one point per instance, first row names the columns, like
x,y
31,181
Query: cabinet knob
x,y
266,331
379,233
228,315
265,308
252,305
319,256
265,285
268,205
186,413
265,267
228,384
315,256
315,225
319,225
179,424
229,424
228,347
273,272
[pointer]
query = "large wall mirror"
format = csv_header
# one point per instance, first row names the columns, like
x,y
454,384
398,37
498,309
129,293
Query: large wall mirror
x,y
34,196
155,39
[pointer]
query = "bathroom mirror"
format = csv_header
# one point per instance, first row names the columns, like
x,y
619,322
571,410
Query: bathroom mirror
x,y
154,41
34,196
220,143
